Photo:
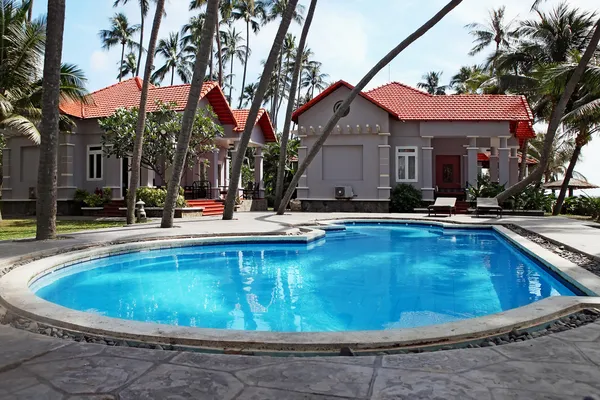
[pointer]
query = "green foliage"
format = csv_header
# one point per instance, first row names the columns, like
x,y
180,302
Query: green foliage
x,y
161,133
582,205
80,195
533,198
98,199
405,198
95,200
271,161
153,197
485,188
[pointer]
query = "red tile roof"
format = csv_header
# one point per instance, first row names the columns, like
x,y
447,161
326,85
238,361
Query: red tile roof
x,y
484,157
406,103
126,94
262,120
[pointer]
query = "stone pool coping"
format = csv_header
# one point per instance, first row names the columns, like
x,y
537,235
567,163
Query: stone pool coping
x,y
16,296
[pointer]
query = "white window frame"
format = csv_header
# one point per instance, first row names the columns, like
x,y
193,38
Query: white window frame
x,y
416,156
87,162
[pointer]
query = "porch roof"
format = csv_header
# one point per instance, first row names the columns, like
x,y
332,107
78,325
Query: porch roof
x,y
262,120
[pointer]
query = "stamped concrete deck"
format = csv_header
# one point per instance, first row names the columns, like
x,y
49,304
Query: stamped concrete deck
x,y
564,365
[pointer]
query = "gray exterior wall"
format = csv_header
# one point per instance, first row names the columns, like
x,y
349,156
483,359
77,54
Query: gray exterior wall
x,y
406,134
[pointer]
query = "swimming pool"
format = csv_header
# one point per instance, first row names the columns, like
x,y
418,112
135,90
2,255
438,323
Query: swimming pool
x,y
367,277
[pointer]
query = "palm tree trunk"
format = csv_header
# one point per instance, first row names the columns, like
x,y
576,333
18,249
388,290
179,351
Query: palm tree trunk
x,y
138,144
523,166
299,86
30,11
316,148
210,66
276,94
279,182
245,62
265,79
139,60
172,75
121,65
580,141
219,50
49,127
555,119
202,57
231,81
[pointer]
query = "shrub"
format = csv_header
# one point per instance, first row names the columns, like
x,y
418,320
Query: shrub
x,y
485,188
153,197
533,197
80,195
405,198
94,200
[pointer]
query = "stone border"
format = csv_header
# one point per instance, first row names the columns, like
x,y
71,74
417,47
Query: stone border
x,y
20,300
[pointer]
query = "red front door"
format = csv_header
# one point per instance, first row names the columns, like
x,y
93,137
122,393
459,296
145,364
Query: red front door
x,y
447,172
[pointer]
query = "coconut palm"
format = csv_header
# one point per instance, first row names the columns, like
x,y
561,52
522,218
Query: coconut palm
x,y
494,31
233,48
313,78
316,148
253,13
183,142
307,54
561,153
177,60
249,93
431,83
128,67
120,32
136,157
468,79
48,150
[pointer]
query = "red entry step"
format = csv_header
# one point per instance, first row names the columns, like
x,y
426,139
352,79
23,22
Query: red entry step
x,y
211,207
111,209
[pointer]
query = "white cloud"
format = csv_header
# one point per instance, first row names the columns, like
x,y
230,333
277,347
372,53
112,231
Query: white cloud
x,y
100,61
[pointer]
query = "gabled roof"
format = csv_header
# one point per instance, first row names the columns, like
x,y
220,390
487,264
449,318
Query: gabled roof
x,y
262,120
409,104
126,94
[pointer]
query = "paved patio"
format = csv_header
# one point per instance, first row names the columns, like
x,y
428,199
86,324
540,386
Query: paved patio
x,y
564,365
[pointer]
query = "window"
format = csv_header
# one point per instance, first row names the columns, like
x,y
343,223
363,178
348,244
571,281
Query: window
x,y
406,164
94,163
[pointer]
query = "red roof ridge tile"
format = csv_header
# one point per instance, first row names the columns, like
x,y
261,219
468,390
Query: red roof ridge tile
x,y
418,91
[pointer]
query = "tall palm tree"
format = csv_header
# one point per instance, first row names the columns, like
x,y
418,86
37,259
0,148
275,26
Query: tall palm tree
x,y
233,48
236,167
136,157
120,32
249,93
431,83
253,13
494,31
283,152
128,67
313,78
29,11
176,59
144,8
183,142
468,79
289,53
48,161
307,54
316,148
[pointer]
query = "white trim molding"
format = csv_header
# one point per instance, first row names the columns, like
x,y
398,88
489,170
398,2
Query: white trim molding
x,y
408,151
94,152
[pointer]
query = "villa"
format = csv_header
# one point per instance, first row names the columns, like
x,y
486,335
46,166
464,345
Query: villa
x,y
397,134
82,163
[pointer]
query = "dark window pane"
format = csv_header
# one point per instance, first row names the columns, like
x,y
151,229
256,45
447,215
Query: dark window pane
x,y
90,166
98,166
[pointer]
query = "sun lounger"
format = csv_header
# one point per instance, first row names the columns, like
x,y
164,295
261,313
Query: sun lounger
x,y
487,205
443,204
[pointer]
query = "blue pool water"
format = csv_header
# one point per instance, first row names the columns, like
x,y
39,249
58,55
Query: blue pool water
x,y
368,277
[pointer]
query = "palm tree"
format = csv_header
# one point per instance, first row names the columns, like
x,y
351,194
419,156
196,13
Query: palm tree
x,y
233,48
29,10
236,168
183,142
431,83
316,148
283,153
144,8
128,67
176,59
120,33
313,78
306,62
468,79
253,13
495,30
561,153
48,164
249,93
136,157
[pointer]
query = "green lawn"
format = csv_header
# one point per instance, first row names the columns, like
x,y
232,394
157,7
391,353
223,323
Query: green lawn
x,y
25,228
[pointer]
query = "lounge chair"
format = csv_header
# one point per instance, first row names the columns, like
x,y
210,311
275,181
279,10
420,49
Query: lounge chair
x,y
445,204
488,205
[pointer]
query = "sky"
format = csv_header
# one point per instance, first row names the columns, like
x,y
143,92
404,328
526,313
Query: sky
x,y
347,36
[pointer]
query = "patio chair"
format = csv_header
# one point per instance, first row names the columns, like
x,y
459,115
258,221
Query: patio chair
x,y
488,205
445,204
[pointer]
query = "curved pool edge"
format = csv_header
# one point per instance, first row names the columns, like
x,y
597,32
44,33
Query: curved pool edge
x,y
16,296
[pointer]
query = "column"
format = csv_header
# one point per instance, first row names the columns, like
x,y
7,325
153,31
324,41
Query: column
x,y
6,171
233,156
383,188
302,189
65,179
213,176
226,169
494,164
258,172
427,181
513,167
503,163
146,177
472,152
